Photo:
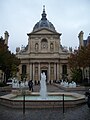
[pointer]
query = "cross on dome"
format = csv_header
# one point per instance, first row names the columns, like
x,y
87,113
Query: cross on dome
x,y
44,14
43,7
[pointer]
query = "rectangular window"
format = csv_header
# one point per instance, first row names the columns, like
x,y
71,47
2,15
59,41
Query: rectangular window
x,y
64,69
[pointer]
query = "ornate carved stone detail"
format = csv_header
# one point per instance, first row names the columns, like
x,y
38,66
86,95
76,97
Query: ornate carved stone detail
x,y
36,46
51,46
44,44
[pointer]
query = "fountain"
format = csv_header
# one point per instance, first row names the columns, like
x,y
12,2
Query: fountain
x,y
42,99
43,88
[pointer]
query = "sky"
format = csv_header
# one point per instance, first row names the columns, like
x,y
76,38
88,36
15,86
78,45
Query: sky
x,y
69,17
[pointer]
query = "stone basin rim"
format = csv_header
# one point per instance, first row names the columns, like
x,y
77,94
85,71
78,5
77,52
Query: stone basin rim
x,y
76,95
7,101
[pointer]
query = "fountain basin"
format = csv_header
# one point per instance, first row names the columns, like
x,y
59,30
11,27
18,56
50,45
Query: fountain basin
x,y
16,101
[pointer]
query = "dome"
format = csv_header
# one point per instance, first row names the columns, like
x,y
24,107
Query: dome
x,y
44,23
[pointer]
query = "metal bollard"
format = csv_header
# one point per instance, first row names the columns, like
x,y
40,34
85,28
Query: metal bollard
x,y
63,103
23,104
88,102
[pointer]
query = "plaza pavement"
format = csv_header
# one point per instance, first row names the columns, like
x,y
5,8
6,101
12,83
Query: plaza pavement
x,y
81,112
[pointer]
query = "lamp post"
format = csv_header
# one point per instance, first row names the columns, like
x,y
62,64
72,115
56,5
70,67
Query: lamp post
x,y
23,94
23,103
89,74
63,103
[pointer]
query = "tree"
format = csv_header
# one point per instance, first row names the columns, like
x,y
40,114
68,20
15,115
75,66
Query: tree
x,y
80,59
8,61
77,75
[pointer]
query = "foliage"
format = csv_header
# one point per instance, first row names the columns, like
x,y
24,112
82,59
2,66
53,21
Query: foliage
x,y
79,59
76,75
2,84
86,84
8,61
23,77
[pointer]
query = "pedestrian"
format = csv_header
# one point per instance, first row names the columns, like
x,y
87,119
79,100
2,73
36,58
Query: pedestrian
x,y
30,84
19,84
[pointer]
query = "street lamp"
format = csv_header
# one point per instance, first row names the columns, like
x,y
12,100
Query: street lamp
x,y
23,94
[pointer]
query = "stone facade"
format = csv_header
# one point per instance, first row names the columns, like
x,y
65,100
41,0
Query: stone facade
x,y
84,43
44,53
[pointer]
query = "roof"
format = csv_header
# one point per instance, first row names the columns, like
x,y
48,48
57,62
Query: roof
x,y
87,41
44,23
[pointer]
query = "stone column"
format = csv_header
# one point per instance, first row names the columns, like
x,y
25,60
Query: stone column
x,y
60,67
39,72
30,71
33,71
49,46
57,71
54,71
48,79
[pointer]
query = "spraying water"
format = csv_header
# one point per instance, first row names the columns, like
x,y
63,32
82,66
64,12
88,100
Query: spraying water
x,y
43,88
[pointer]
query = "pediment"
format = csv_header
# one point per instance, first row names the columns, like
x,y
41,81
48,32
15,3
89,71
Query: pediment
x,y
44,31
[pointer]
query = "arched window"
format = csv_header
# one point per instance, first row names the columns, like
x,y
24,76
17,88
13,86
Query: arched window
x,y
44,44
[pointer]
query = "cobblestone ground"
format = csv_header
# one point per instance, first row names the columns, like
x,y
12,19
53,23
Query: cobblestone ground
x,y
77,113
81,112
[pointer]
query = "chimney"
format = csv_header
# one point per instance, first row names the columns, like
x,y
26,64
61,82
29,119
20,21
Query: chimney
x,y
80,36
6,36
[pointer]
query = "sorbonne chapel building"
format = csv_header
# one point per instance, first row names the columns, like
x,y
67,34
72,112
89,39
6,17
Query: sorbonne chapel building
x,y
44,53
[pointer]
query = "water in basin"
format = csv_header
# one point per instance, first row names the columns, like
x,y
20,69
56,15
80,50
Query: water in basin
x,y
50,97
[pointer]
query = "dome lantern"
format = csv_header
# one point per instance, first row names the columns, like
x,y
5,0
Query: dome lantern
x,y
44,14
44,23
